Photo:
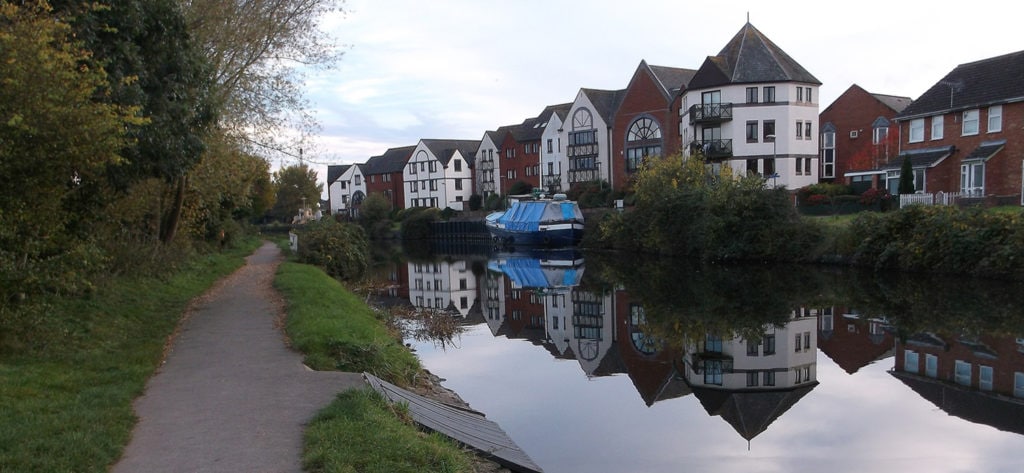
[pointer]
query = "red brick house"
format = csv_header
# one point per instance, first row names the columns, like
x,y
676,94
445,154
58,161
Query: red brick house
x,y
647,120
383,175
858,137
966,133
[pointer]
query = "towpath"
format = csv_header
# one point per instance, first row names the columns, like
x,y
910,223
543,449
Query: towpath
x,y
231,396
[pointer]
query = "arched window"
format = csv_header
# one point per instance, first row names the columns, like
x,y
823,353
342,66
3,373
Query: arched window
x,y
582,120
642,140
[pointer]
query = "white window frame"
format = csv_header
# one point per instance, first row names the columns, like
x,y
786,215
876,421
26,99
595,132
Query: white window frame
x,y
879,134
931,366
919,181
962,373
995,119
1018,384
916,133
828,163
911,361
937,127
969,174
970,123
985,375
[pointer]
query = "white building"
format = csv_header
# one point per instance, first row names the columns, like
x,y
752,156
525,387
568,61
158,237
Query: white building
x,y
588,133
444,286
754,108
440,174
554,166
346,189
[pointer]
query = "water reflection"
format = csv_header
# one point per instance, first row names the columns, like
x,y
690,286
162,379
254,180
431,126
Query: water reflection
x,y
739,343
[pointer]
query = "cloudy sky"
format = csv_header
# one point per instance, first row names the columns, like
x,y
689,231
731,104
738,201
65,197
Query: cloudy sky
x,y
452,69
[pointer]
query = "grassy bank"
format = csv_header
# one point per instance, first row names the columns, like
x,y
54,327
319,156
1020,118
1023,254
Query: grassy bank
x,y
66,390
359,431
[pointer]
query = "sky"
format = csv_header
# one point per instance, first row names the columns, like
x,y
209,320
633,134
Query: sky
x,y
453,69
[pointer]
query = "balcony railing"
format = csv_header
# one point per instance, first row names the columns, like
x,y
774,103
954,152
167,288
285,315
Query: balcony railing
x,y
487,186
711,113
712,149
552,180
575,151
486,165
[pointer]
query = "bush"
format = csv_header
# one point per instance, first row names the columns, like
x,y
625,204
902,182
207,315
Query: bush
x,y
475,202
341,249
416,223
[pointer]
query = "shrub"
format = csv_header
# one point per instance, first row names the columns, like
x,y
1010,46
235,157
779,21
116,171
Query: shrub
x,y
416,222
341,249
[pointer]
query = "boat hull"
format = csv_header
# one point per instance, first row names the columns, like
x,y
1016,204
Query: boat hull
x,y
549,235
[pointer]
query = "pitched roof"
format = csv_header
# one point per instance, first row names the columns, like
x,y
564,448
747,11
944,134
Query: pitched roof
x,y
921,158
606,102
894,102
443,150
750,57
985,150
671,79
988,81
750,412
393,160
334,171
997,411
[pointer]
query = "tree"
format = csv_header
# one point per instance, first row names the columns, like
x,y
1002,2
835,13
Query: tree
x,y
374,213
906,177
55,142
296,188
258,49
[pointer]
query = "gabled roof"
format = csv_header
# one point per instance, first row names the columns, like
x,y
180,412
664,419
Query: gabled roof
x,y
985,150
532,129
750,57
1001,412
606,102
894,102
671,79
921,158
443,150
988,81
393,160
334,171
750,412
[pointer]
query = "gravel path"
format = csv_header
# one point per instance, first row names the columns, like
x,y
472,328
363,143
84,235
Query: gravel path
x,y
231,396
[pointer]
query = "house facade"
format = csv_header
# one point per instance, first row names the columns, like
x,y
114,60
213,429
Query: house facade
x,y
347,191
645,123
859,137
588,133
337,189
440,174
488,174
383,175
753,108
966,133
553,163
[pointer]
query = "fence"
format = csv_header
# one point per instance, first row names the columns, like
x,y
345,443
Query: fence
x,y
940,198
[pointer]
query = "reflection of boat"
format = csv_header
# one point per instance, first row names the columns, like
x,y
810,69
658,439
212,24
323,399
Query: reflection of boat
x,y
557,269
541,222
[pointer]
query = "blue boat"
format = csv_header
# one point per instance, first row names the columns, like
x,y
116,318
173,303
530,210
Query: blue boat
x,y
554,222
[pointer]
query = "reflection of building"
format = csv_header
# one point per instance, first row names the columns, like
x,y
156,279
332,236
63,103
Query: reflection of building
x,y
851,341
648,362
980,379
750,383
442,285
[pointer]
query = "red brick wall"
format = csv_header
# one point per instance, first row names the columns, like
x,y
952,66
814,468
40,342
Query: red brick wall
x,y
856,109
643,98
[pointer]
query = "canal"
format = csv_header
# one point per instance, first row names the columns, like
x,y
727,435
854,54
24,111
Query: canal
x,y
605,363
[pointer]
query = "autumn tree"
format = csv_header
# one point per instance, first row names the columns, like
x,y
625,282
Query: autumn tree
x,y
55,143
296,188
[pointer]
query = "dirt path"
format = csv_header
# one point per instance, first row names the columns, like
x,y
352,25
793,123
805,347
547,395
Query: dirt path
x,y
231,396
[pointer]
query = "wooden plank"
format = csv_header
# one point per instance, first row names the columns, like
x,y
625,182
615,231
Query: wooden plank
x,y
465,426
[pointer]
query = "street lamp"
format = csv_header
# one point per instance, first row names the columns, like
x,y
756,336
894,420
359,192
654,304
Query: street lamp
x,y
774,174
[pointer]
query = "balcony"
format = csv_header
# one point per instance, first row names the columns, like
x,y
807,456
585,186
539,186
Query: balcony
x,y
712,149
487,186
710,113
716,361
576,151
552,180
486,165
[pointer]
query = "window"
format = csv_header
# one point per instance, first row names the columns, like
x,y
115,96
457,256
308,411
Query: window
x,y
423,166
799,166
807,166
995,118
582,119
458,165
752,379
916,131
710,97
752,347
799,94
458,184
919,181
972,178
642,140
962,373
768,344
828,154
985,378
550,146
768,379
808,95
412,187
800,127
910,361
807,340
970,123
433,166
769,167
412,168
751,94
713,344
1018,384
433,184
937,127
713,372
798,373
796,344
769,130
807,130
752,130
769,94
359,180
751,166
931,366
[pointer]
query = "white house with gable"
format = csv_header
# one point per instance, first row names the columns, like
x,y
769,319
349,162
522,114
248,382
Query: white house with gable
x,y
588,130
440,174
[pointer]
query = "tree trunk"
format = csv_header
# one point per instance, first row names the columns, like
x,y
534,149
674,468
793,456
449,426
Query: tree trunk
x,y
169,225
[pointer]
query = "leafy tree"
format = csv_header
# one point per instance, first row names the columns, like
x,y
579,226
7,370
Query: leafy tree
x,y
55,142
374,215
340,248
906,185
258,49
296,187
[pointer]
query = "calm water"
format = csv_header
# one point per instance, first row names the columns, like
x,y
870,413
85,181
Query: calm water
x,y
599,364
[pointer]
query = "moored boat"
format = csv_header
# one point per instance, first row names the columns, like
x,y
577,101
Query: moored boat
x,y
553,222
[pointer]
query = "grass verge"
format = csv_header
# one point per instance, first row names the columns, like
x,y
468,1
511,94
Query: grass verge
x,y
66,400
359,431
